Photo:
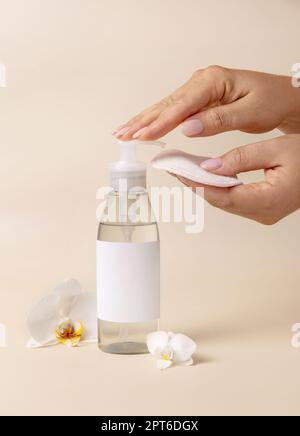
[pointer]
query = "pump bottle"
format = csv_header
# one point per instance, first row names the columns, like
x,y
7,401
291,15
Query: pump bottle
x,y
128,259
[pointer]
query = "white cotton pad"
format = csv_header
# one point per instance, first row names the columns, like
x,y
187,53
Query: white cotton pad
x,y
188,166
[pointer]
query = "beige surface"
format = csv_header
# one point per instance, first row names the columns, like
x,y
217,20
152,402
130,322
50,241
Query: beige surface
x,y
75,70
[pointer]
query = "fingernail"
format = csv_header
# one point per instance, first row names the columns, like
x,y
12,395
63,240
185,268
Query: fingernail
x,y
139,132
122,131
117,130
212,164
192,127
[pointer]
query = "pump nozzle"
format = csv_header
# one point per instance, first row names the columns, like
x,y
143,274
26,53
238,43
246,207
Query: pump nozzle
x,y
128,167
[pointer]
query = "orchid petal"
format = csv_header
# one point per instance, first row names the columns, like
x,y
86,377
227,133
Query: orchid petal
x,y
163,364
48,312
34,344
183,347
168,352
157,340
171,335
157,353
68,288
85,309
43,318
67,291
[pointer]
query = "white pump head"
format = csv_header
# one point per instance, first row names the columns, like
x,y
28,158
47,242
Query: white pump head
x,y
128,167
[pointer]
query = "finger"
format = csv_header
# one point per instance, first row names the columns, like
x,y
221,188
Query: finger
x,y
254,201
168,116
205,86
168,120
133,128
243,199
138,122
215,196
260,155
232,116
184,104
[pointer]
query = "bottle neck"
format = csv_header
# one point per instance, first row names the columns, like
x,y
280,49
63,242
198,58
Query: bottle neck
x,y
123,182
131,207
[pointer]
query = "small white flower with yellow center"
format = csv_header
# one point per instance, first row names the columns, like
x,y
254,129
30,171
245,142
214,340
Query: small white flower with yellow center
x,y
169,348
67,315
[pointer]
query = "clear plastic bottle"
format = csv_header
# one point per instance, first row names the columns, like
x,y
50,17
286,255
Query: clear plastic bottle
x,y
127,261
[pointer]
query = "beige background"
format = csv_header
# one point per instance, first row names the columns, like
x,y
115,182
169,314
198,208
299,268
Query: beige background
x,y
75,70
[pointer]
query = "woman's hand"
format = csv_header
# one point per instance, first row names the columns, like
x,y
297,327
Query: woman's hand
x,y
266,202
218,99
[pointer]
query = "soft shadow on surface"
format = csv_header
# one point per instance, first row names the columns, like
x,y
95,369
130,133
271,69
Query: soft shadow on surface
x,y
229,331
213,333
201,359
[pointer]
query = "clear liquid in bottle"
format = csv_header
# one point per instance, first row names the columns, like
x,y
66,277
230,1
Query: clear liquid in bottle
x,y
127,337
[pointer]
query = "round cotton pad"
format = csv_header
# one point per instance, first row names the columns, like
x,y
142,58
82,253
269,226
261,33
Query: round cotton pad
x,y
188,166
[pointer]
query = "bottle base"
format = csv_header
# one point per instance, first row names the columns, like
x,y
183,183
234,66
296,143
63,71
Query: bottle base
x,y
125,338
125,348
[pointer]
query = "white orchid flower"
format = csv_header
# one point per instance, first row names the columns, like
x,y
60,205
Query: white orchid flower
x,y
169,348
66,315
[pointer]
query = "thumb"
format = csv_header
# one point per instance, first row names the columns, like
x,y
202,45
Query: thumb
x,y
251,157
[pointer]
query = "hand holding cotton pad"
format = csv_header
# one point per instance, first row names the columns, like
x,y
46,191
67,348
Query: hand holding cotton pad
x,y
188,166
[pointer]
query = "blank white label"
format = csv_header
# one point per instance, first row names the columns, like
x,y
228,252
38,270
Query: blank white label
x,y
128,281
